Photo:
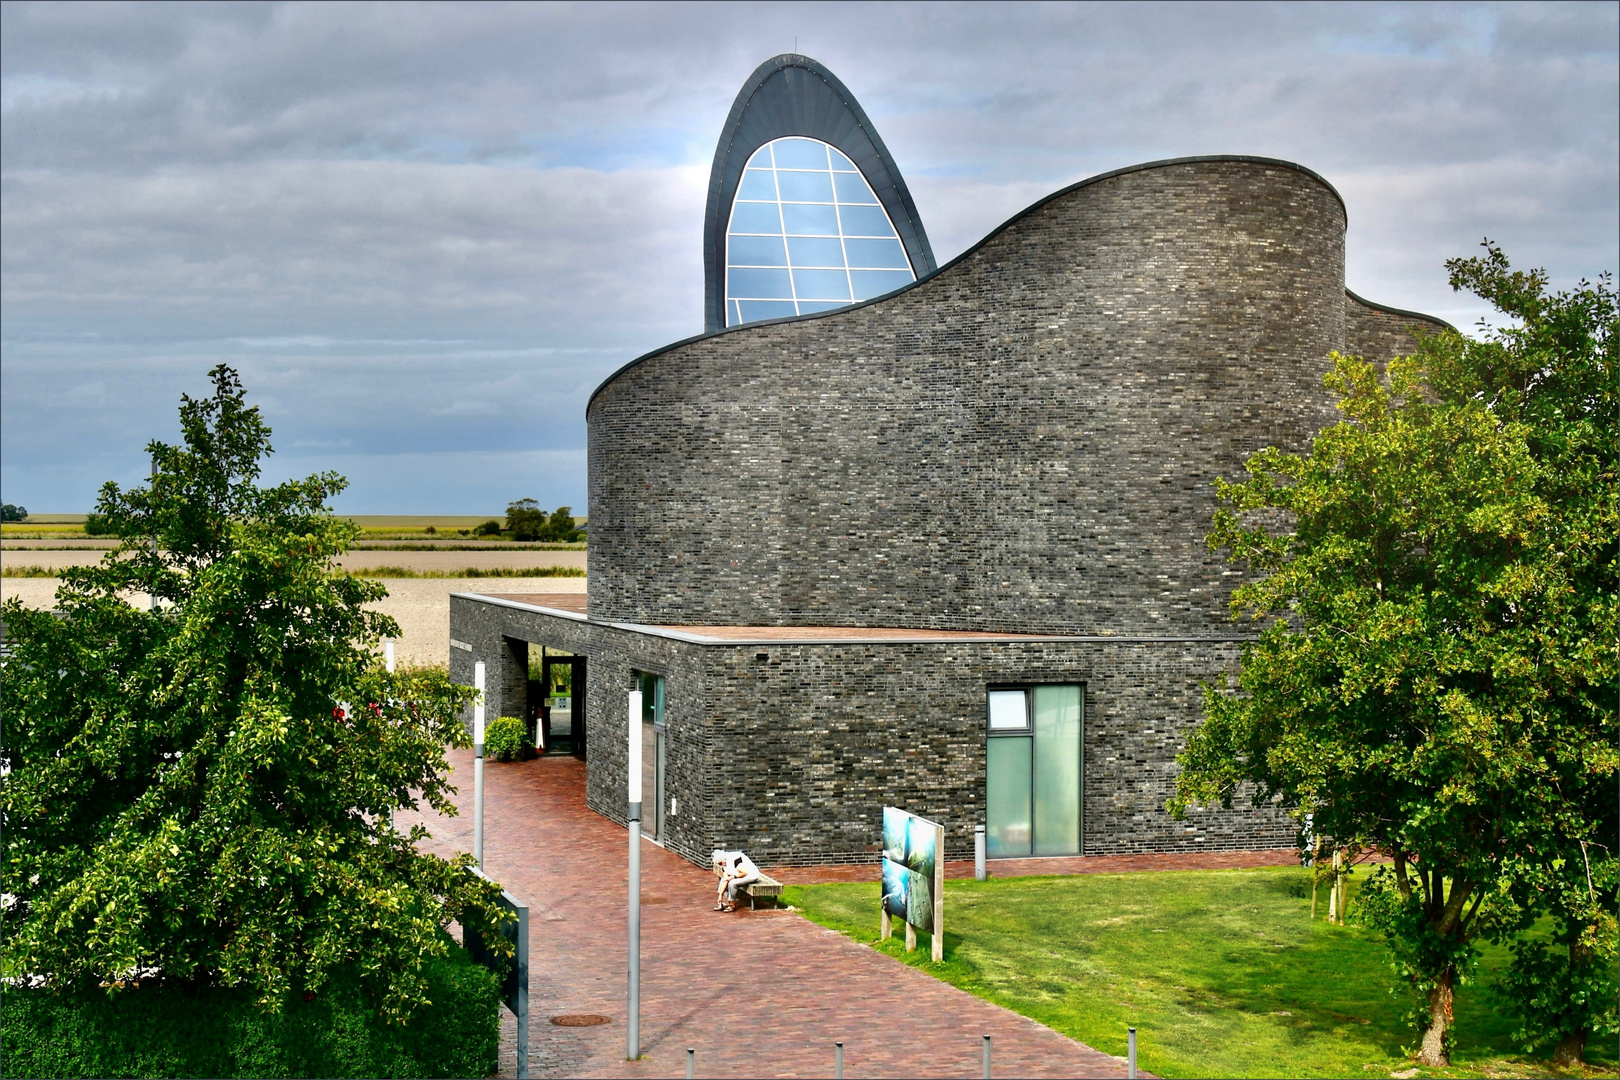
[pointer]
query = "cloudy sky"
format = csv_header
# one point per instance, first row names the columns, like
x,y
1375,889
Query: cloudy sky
x,y
424,233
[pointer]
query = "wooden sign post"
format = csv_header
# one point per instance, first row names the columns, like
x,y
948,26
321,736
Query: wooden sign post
x,y
938,931
913,866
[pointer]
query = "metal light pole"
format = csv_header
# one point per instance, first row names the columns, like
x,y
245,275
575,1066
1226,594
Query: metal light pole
x,y
478,765
633,767
154,605
388,662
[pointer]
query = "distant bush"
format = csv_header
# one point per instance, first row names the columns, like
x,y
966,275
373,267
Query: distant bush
x,y
507,739
488,528
186,1031
526,521
9,512
97,525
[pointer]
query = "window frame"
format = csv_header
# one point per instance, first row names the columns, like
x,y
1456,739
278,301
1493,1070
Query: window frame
x,y
1028,732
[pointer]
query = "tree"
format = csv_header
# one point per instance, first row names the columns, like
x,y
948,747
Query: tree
x,y
1436,679
525,520
560,526
9,512
203,792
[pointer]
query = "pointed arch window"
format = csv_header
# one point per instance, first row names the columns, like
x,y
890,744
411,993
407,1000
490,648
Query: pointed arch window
x,y
807,233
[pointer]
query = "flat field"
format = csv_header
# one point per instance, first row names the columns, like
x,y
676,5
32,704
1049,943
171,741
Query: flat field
x,y
1223,973
421,606
420,562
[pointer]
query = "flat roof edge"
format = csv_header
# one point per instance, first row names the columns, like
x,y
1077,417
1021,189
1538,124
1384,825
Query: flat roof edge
x,y
501,601
918,637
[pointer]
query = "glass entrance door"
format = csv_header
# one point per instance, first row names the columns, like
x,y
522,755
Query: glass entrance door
x,y
653,754
1033,760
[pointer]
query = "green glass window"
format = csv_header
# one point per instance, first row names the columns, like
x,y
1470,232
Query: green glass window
x,y
1033,774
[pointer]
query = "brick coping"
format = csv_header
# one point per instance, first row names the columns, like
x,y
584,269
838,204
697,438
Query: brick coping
x,y
573,606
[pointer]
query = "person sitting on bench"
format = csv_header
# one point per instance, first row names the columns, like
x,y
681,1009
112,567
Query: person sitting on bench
x,y
736,870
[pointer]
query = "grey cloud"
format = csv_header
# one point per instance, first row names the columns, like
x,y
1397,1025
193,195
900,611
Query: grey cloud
x,y
429,230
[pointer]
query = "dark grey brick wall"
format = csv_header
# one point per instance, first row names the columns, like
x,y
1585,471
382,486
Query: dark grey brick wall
x,y
793,756
1380,334
1025,442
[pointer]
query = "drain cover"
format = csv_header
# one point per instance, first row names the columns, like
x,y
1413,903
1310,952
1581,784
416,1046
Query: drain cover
x,y
580,1020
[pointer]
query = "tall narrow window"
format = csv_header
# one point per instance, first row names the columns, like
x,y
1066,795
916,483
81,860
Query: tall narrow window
x,y
1033,776
807,234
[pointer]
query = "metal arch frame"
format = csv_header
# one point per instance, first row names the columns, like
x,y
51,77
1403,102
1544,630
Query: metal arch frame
x,y
791,95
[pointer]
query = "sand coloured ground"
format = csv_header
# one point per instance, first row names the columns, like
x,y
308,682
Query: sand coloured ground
x,y
355,560
421,606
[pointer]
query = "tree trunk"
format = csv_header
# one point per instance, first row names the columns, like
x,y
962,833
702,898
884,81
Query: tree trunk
x,y
1433,1052
1571,1051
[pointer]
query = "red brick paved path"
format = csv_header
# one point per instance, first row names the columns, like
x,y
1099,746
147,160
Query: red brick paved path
x,y
758,994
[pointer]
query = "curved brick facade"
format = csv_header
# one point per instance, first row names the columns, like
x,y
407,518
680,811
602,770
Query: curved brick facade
x,y
1025,441
1021,443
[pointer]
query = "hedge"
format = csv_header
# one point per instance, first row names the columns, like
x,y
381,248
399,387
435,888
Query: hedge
x,y
178,1031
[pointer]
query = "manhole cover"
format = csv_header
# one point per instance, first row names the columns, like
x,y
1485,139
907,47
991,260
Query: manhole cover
x,y
580,1020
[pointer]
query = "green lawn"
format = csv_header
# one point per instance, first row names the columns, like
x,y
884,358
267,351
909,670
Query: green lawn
x,y
1222,972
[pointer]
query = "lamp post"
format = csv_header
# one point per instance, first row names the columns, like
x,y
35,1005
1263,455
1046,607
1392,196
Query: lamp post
x,y
478,765
633,768
154,605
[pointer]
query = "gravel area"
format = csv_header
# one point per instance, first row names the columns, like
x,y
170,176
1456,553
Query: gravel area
x,y
421,606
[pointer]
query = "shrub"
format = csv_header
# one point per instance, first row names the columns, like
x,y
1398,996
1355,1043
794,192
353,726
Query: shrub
x,y
507,739
96,525
9,512
184,1030
488,528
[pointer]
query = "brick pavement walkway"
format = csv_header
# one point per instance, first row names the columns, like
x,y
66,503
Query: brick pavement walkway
x,y
758,994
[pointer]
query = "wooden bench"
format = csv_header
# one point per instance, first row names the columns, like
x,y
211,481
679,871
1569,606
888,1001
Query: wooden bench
x,y
765,886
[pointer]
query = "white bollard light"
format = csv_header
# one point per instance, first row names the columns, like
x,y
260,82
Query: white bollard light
x,y
634,759
478,764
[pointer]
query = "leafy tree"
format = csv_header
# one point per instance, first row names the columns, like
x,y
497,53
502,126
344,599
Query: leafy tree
x,y
96,525
9,512
202,793
488,528
1437,678
525,520
560,526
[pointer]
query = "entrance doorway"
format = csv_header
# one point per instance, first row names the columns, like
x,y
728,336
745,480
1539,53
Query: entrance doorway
x,y
654,752
557,701
1033,759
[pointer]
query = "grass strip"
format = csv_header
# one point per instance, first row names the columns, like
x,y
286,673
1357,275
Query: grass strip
x,y
497,545
1222,972
471,572
373,572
